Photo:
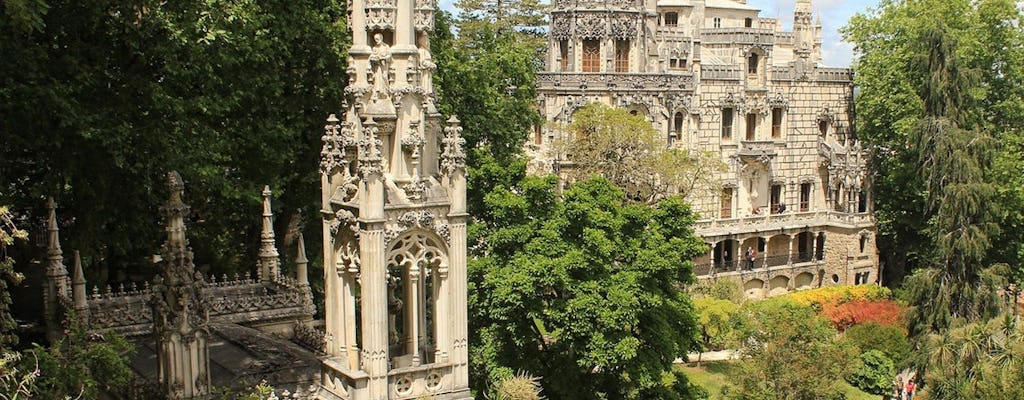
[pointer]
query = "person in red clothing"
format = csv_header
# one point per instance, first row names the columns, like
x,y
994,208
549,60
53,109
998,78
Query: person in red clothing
x,y
910,389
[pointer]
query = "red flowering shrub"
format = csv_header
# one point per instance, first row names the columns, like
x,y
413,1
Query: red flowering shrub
x,y
882,312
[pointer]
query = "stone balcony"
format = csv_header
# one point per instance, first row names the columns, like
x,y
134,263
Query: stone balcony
x,y
600,81
756,150
786,222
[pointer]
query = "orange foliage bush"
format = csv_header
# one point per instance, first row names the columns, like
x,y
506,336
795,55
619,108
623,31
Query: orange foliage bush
x,y
831,296
882,312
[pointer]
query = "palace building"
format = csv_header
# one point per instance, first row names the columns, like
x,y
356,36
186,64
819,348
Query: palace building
x,y
713,76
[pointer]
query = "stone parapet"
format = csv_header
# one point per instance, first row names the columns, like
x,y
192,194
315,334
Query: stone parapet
x,y
599,81
781,223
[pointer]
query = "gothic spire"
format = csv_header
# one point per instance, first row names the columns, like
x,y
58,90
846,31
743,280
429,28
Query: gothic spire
x,y
301,263
53,250
78,294
269,263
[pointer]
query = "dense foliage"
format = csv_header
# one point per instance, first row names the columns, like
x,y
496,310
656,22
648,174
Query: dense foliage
x,y
583,291
789,352
624,148
874,373
99,98
940,105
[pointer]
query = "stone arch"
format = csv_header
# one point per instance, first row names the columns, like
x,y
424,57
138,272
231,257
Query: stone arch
x,y
416,262
804,280
778,285
753,289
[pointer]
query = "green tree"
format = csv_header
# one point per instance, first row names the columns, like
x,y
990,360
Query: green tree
x,y
789,352
890,340
583,291
716,319
624,148
101,97
925,69
873,374
976,361
8,276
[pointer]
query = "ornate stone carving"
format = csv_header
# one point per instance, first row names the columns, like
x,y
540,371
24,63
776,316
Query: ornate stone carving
x,y
370,151
454,157
380,61
561,27
423,17
622,27
591,26
380,15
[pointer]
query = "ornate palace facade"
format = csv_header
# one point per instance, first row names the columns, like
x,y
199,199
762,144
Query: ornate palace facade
x,y
713,76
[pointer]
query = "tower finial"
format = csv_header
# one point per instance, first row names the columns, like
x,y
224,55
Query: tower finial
x,y
269,263
53,249
78,294
301,262
175,211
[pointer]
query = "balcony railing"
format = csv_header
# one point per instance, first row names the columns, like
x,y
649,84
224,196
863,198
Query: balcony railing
x,y
613,81
760,264
783,220
737,35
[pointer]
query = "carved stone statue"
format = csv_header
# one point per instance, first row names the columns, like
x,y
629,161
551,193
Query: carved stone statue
x,y
380,60
426,64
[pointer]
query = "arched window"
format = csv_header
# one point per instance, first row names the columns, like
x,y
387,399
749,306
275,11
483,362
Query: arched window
x,y
752,63
677,123
823,128
416,265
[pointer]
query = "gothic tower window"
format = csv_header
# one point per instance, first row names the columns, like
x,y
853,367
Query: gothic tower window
x,y
671,19
752,63
591,56
621,56
563,51
678,120
752,126
776,123
727,123
822,128
726,204
805,196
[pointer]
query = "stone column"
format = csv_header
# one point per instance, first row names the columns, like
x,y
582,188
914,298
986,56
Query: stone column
x,y
767,248
442,315
789,260
373,271
412,312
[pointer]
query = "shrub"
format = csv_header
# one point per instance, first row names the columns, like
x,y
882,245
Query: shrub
x,y
883,312
873,374
890,340
824,297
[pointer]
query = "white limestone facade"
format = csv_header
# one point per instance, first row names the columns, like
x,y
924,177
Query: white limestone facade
x,y
713,76
394,219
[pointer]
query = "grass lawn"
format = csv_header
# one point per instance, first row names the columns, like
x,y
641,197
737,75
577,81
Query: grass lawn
x,y
714,375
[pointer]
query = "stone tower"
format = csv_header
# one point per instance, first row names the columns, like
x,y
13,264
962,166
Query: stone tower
x,y
394,219
180,317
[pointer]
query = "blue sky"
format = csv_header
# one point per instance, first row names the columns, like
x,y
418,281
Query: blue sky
x,y
834,14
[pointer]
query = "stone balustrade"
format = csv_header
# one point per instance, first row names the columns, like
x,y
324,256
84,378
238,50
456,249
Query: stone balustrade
x,y
720,72
239,300
781,222
733,36
601,81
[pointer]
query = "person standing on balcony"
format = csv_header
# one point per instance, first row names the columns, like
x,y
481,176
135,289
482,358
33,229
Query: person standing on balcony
x,y
751,256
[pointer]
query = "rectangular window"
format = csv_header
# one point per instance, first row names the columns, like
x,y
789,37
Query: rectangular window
x,y
776,199
671,19
621,56
748,22
563,50
751,126
718,22
727,124
805,196
591,56
776,123
726,209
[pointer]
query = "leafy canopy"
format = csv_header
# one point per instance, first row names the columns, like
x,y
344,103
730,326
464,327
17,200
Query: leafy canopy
x,y
584,291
